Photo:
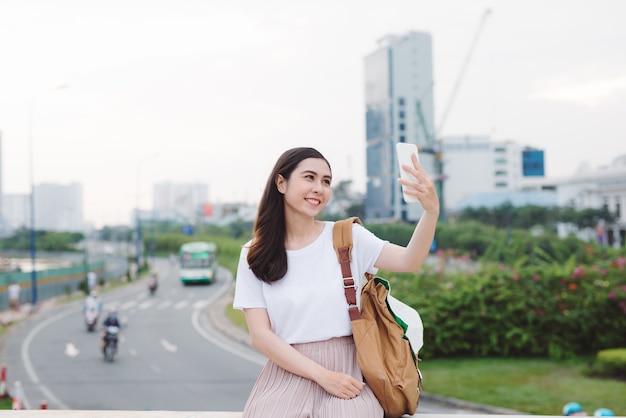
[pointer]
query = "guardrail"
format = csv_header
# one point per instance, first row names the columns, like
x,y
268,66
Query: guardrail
x,y
50,282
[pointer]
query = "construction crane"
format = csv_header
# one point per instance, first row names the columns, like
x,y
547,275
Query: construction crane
x,y
433,140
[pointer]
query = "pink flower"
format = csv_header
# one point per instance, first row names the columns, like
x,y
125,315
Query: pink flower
x,y
621,262
612,295
516,277
536,277
501,266
578,272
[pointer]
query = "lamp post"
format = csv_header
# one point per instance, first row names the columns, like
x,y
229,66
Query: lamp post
x,y
33,241
138,246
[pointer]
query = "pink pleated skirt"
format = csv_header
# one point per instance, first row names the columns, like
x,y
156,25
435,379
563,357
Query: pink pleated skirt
x,y
278,393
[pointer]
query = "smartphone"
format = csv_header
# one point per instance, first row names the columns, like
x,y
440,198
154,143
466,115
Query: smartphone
x,y
403,155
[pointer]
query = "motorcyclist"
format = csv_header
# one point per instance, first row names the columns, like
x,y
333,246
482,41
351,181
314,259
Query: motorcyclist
x,y
152,282
92,303
110,321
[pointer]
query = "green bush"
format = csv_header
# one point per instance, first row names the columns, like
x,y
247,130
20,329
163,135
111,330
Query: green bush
x,y
612,362
555,310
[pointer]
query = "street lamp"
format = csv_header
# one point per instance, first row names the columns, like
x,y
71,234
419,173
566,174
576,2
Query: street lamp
x,y
137,214
33,242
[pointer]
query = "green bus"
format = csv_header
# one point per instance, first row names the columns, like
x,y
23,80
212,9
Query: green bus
x,y
198,262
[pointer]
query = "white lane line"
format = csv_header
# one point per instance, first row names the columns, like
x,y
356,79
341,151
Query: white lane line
x,y
181,304
168,346
71,350
212,337
155,368
164,304
132,352
146,304
200,304
128,305
28,365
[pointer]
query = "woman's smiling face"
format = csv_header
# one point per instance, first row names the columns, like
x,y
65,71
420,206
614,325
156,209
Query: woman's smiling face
x,y
308,188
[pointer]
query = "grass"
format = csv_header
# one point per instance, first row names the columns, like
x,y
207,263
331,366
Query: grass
x,y
535,386
6,403
237,317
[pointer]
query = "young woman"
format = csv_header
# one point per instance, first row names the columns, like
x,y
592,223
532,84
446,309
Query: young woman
x,y
289,285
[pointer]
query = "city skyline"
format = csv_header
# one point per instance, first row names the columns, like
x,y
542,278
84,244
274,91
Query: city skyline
x,y
213,93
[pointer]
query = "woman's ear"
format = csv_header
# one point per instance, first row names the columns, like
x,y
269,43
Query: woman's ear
x,y
280,183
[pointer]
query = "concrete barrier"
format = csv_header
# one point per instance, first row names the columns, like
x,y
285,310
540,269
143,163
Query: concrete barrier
x,y
48,413
186,414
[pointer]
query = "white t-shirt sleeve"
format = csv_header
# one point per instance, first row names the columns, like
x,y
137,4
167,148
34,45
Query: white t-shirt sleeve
x,y
248,288
366,249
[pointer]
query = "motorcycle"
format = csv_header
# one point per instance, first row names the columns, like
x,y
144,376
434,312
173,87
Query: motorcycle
x,y
152,286
110,342
91,319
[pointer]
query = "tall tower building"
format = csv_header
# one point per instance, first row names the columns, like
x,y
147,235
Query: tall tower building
x,y
59,207
180,200
399,108
3,222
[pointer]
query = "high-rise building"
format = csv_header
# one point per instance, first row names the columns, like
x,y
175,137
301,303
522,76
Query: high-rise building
x,y
59,207
399,108
16,210
476,165
180,201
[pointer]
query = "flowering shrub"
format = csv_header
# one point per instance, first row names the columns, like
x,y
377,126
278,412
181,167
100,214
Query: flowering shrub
x,y
554,310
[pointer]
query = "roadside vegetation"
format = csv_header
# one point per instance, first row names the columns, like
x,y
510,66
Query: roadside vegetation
x,y
514,316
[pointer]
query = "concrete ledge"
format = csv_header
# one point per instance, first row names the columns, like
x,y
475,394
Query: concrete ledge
x,y
184,414
119,414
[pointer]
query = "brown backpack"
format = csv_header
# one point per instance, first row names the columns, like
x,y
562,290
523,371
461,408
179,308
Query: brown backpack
x,y
384,353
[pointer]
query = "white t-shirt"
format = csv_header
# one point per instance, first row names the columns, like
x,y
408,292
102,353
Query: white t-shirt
x,y
309,303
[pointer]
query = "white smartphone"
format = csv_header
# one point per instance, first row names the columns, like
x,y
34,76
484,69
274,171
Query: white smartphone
x,y
403,155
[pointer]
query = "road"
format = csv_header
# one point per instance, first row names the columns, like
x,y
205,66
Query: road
x,y
166,359
170,357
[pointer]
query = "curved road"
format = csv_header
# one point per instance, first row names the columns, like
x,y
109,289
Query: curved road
x,y
169,358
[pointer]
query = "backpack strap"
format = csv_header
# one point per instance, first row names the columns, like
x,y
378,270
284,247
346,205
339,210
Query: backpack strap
x,y
342,241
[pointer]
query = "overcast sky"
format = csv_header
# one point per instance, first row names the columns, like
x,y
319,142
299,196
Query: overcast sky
x,y
214,91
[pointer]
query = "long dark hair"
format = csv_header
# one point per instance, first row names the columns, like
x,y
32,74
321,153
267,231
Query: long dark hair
x,y
267,256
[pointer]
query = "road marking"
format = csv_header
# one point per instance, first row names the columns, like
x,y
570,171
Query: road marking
x,y
181,304
164,304
155,368
128,305
216,338
200,304
168,346
71,350
132,352
28,365
146,304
